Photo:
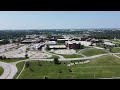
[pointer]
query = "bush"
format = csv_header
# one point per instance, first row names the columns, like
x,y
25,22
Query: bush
x,y
70,70
27,64
31,69
26,56
56,61
60,71
39,64
45,77
82,47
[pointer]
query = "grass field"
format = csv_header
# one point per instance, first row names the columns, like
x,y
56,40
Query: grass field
x,y
116,50
19,67
11,60
93,51
118,55
77,50
67,55
1,71
118,41
71,56
102,67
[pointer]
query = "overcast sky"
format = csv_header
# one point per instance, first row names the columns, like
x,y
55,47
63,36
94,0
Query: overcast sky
x,y
59,19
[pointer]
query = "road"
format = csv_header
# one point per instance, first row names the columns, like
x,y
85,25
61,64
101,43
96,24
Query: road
x,y
9,70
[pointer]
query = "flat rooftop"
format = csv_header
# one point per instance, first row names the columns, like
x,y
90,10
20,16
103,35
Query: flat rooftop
x,y
57,46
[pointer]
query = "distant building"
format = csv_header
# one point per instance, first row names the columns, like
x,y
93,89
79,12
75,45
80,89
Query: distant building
x,y
28,41
109,44
73,44
85,43
37,46
51,42
83,38
62,40
57,47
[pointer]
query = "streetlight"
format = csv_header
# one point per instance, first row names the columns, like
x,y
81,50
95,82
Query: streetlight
x,y
94,75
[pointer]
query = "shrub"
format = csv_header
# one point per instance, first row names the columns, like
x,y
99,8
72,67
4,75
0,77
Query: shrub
x,y
45,77
70,70
56,61
27,64
26,56
39,64
31,69
60,71
82,47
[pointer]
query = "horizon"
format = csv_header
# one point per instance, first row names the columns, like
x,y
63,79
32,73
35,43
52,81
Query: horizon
x,y
25,20
60,29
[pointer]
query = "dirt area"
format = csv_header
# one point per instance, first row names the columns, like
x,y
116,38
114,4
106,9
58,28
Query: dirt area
x,y
64,51
20,53
38,54
4,48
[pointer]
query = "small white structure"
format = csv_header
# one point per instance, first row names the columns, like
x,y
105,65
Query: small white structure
x,y
109,44
51,42
57,47
85,43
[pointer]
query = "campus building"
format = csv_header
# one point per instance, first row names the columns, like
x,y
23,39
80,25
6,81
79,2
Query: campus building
x,y
73,44
51,42
57,47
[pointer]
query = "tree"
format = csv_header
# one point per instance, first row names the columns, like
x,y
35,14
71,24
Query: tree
x,y
56,61
47,47
105,47
26,56
39,63
110,49
70,70
31,69
45,77
27,64
60,71
27,49
1,57
82,47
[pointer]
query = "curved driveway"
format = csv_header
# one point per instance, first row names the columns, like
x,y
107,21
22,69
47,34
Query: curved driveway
x,y
9,70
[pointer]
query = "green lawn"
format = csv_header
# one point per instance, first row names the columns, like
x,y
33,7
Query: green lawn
x,y
93,51
101,45
116,50
77,50
118,41
71,56
102,67
11,60
118,55
1,71
19,67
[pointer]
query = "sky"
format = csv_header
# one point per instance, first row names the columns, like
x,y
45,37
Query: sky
x,y
59,19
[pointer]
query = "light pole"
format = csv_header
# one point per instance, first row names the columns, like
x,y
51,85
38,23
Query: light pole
x,y
94,75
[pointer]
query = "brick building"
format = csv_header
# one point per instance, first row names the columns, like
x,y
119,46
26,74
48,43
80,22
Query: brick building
x,y
73,44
